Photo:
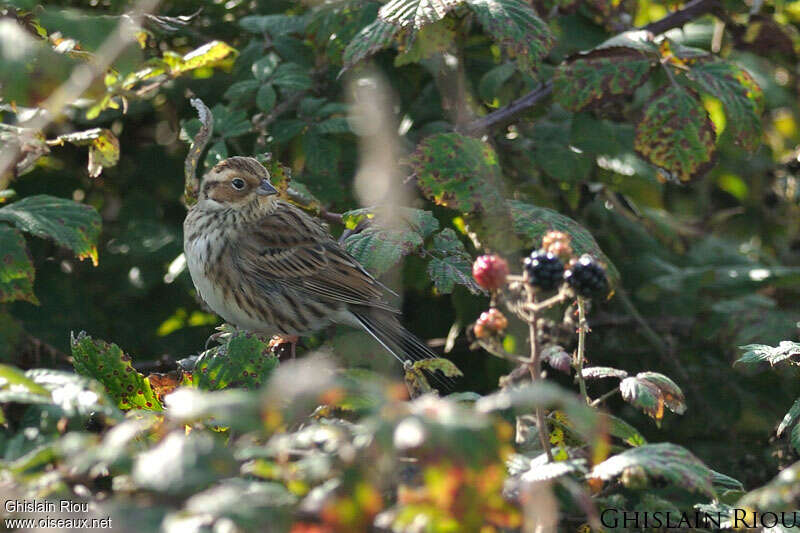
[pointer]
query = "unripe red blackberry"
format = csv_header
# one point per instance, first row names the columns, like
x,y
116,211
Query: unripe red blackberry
x,y
557,243
490,271
545,270
586,277
490,323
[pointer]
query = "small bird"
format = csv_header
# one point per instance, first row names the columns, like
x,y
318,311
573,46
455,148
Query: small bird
x,y
266,266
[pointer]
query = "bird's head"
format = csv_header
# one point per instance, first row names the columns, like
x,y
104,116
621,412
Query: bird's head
x,y
236,182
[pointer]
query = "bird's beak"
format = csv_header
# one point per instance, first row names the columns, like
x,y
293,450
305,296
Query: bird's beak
x,y
266,189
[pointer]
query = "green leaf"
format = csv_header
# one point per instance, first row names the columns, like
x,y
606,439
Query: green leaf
x,y
384,243
790,418
370,40
74,395
624,431
265,67
322,154
244,360
415,14
676,134
517,28
230,122
600,74
333,125
379,249
232,408
70,224
491,82
778,494
757,353
248,504
429,40
242,92
274,25
183,464
455,267
533,222
650,392
265,98
16,268
739,93
110,366
458,172
668,462
216,153
292,77
449,271
285,130
15,386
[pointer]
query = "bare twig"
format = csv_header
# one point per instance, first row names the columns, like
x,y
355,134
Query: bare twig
x,y
583,327
691,11
535,368
605,397
191,187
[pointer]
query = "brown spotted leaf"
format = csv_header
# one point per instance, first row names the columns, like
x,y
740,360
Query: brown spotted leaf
x,y
516,27
70,224
602,73
458,172
651,392
738,92
110,366
103,147
16,269
244,360
676,134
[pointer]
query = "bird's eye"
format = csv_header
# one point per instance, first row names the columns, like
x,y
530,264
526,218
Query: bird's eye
x,y
238,184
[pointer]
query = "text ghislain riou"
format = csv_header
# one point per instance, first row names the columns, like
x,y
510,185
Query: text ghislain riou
x,y
738,518
45,506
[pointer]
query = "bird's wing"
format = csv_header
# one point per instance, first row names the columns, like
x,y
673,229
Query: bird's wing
x,y
290,247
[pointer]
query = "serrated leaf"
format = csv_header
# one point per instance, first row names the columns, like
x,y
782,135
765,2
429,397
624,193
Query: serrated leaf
x,y
533,222
417,220
516,27
265,67
370,40
333,125
244,360
676,134
599,372
322,153
429,40
415,14
757,353
458,172
110,366
70,224
739,93
16,268
600,74
265,98
651,392
379,249
669,462
291,76
450,270
286,130
230,122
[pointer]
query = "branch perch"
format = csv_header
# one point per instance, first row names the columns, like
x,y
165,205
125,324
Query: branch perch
x,y
192,183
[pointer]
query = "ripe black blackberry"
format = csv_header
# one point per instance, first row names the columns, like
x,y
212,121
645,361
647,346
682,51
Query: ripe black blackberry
x,y
545,270
586,277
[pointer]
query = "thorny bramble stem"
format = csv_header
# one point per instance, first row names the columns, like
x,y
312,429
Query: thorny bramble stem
x,y
583,327
535,368
604,397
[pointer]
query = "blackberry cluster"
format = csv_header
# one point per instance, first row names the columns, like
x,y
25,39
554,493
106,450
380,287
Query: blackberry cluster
x,y
587,277
545,270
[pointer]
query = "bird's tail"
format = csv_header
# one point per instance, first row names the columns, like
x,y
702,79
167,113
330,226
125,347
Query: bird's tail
x,y
400,342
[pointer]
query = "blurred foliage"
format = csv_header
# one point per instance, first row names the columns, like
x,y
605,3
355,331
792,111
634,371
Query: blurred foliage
x,y
670,155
